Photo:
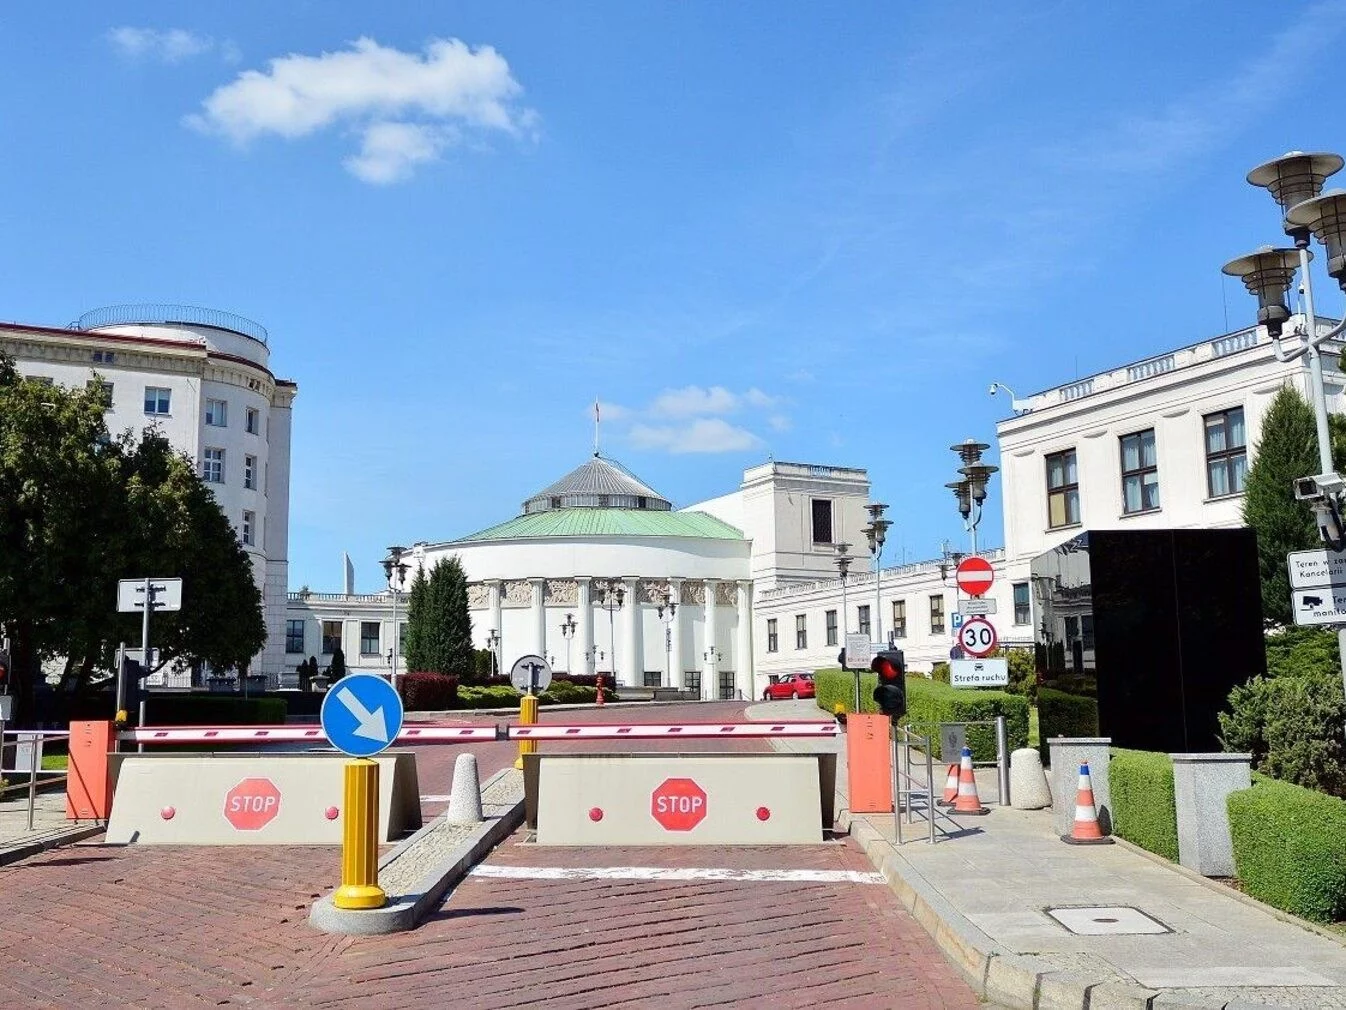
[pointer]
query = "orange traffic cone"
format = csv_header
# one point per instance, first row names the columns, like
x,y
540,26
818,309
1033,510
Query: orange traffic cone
x,y
1086,830
967,801
950,787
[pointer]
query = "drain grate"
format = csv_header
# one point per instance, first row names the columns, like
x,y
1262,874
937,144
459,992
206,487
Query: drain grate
x,y
1103,920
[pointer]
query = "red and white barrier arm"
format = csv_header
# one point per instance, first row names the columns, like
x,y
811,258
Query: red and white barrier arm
x,y
666,731
426,733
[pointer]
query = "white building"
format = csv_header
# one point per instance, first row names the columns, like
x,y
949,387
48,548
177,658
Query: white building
x,y
202,378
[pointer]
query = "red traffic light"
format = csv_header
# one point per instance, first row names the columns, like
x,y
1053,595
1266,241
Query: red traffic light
x,y
888,665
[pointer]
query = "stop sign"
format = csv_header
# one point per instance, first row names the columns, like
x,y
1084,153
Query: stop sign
x,y
678,804
974,576
252,804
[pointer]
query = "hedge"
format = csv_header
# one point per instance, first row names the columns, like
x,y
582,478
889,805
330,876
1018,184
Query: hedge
x,y
212,710
428,692
1288,848
1143,808
1062,714
560,692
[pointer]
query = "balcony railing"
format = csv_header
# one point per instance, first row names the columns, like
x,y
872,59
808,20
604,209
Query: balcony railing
x,y
152,313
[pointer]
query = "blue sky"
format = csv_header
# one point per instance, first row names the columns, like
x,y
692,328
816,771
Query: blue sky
x,y
811,231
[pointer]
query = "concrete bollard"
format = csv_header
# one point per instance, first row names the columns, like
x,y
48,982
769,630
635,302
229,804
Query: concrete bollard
x,y
1201,786
1028,782
465,795
1067,754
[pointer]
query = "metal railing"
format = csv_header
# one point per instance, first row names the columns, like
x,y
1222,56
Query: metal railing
x,y
28,747
151,313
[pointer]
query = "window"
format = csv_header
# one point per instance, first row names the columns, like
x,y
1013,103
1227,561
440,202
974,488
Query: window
x,y
831,627
1063,490
1226,452
937,615
252,421
653,678
217,413
249,528
801,632
212,467
157,400
1023,613
862,619
369,638
692,678
331,637
899,618
772,639
402,638
250,472
102,390
294,636
822,521
728,689
1140,473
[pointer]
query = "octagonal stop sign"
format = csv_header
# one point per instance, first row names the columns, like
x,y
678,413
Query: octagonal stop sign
x,y
252,804
678,804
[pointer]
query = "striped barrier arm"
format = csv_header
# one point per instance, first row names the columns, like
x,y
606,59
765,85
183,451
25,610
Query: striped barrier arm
x,y
664,731
296,734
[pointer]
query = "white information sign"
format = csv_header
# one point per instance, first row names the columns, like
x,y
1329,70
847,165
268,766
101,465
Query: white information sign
x,y
1319,606
859,651
131,594
978,672
1316,568
978,607
530,673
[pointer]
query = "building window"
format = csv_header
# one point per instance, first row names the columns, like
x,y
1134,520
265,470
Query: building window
x,y
728,689
402,638
1022,612
294,636
1140,472
1063,490
937,615
331,637
250,472
772,639
1226,452
822,521
801,632
101,390
217,413
212,466
862,619
899,618
252,421
653,678
831,627
692,678
158,400
249,528
369,638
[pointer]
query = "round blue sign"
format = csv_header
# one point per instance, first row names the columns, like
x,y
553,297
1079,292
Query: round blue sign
x,y
361,714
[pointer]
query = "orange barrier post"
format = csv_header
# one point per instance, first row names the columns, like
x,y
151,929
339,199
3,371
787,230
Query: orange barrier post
x,y
967,802
88,787
1085,830
869,780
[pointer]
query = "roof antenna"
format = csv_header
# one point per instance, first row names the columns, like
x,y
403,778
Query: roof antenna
x,y
596,419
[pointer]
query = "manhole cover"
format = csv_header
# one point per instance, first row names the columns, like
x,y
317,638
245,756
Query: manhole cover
x,y
1108,919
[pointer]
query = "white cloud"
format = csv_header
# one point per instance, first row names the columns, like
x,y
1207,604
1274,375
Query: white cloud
x,y
704,435
168,45
691,401
406,107
779,422
756,398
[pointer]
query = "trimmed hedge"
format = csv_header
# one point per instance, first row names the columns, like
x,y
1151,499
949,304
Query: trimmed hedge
x,y
1062,714
833,687
560,692
1288,848
212,710
428,692
1143,808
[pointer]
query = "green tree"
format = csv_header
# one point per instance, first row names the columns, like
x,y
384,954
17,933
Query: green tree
x,y
337,668
439,627
417,623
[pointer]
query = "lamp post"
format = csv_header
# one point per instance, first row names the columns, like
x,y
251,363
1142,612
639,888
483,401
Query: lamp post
x,y
712,659
396,571
568,627
875,532
668,606
613,594
493,643
843,562
970,490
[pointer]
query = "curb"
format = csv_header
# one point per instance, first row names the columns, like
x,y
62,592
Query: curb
x,y
407,912
14,853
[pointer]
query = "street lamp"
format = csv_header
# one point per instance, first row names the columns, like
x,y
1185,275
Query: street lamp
x,y
396,571
712,658
568,627
948,559
493,643
875,532
843,562
970,491
667,605
613,594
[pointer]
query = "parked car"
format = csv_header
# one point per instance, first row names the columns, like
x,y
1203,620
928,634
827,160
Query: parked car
x,y
789,685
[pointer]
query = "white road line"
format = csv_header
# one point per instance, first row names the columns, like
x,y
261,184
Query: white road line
x,y
675,873
435,798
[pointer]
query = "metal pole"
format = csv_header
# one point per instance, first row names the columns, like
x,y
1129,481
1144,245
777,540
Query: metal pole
x,y
878,604
930,788
394,589
34,759
145,655
897,793
1002,760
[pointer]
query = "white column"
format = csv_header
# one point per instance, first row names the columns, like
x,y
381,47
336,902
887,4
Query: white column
x,y
633,648
585,642
679,677
539,612
495,593
743,665
710,680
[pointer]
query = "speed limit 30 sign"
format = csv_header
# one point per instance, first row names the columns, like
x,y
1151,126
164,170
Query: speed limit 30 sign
x,y
977,637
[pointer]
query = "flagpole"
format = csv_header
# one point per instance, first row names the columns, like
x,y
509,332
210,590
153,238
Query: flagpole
x,y
595,427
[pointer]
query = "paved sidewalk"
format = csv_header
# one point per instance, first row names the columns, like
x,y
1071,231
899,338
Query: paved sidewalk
x,y
50,828
984,894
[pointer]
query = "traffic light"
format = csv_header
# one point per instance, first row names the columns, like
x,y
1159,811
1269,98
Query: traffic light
x,y
133,676
891,691
4,665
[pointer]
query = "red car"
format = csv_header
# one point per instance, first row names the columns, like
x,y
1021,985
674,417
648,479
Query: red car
x,y
789,685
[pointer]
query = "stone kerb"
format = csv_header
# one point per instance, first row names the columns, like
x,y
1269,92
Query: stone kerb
x,y
1067,753
1201,785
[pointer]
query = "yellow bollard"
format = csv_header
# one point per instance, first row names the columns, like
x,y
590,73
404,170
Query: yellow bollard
x,y
360,839
527,717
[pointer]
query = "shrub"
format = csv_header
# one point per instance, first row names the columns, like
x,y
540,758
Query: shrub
x,y
1023,674
1143,808
833,687
930,703
1288,848
1062,714
213,710
564,692
488,697
939,673
428,692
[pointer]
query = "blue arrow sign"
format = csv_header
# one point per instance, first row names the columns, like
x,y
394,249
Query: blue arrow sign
x,y
361,714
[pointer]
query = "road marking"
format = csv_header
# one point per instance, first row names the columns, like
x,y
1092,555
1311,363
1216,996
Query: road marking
x,y
675,873
435,798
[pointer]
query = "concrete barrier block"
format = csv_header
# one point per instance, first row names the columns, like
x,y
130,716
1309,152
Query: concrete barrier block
x,y
1028,781
1067,753
1201,785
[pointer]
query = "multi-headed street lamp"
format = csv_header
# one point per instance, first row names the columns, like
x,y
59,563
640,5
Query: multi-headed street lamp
x,y
396,571
493,643
875,533
667,606
970,490
843,562
613,595
568,627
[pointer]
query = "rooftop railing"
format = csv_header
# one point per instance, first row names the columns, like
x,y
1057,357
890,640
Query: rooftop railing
x,y
161,313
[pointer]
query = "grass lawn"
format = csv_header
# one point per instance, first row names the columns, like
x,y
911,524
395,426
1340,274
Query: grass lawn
x,y
1033,726
53,762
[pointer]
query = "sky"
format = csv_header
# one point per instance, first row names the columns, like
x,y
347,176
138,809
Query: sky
x,y
814,233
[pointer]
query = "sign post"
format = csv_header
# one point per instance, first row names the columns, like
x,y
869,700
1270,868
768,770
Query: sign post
x,y
531,675
859,653
145,595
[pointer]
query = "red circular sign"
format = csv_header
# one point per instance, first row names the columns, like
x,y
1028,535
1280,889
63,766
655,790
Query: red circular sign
x,y
977,637
975,576
252,804
678,804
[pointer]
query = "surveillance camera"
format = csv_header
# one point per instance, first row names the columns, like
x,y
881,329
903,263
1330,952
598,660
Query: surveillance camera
x,y
992,389
1319,487
1306,489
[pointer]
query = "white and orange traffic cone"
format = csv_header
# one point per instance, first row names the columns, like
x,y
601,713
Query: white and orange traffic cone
x,y
967,802
950,787
1086,830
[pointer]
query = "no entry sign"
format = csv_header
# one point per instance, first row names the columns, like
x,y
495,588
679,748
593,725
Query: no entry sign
x,y
678,804
252,804
975,576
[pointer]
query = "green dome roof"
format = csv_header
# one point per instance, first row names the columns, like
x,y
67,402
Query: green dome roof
x,y
601,522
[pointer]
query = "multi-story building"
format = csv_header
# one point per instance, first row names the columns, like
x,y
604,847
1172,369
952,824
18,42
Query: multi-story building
x,y
202,377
